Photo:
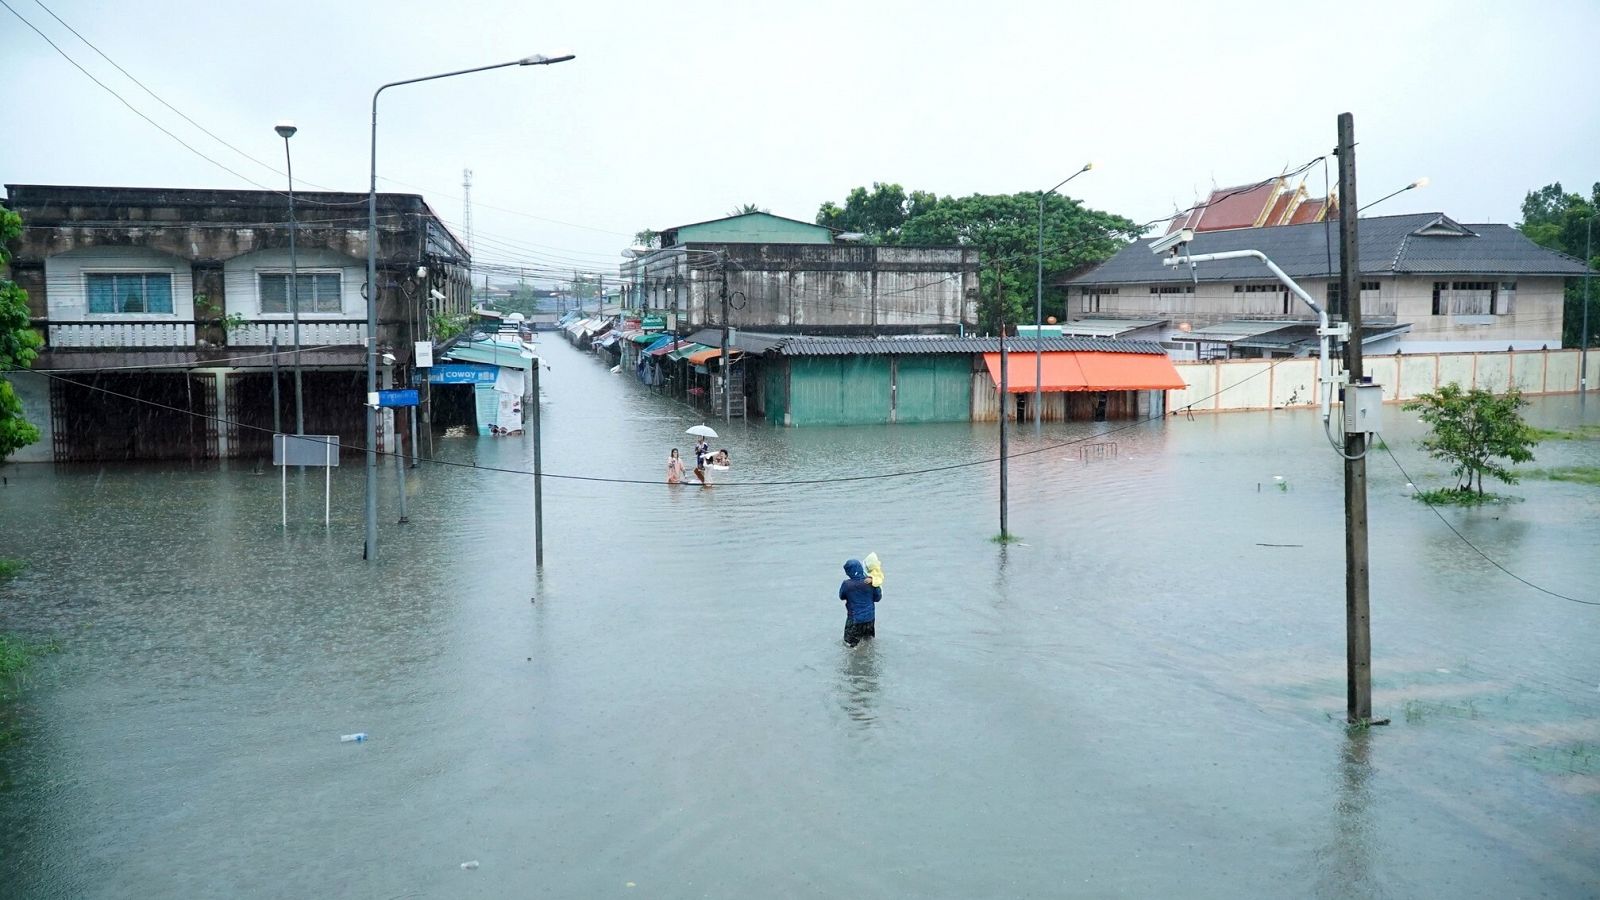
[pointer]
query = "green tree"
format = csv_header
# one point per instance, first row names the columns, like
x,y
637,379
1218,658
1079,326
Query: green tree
x,y
19,345
746,209
645,237
1473,430
1553,218
1005,228
878,214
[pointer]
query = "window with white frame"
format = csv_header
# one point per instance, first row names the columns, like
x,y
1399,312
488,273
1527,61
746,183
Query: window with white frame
x,y
1506,303
128,292
1092,297
315,292
1463,298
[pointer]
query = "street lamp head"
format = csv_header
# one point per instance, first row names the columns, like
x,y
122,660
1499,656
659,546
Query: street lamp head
x,y
1087,166
542,59
285,129
1419,183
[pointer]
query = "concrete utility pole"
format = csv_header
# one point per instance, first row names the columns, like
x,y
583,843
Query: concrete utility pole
x,y
1005,397
1583,334
1358,635
727,397
538,471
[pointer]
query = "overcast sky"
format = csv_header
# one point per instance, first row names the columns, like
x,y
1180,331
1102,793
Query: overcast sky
x,y
677,112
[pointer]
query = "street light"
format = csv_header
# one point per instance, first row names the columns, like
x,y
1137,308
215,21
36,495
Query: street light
x,y
286,129
1419,183
1038,306
538,59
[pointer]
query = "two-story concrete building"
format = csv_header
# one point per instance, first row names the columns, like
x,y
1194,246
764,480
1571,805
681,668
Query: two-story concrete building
x,y
1439,286
176,297
785,275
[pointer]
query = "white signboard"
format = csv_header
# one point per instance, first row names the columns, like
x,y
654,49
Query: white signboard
x,y
424,354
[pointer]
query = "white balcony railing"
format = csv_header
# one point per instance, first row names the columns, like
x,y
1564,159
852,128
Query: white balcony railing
x,y
121,334
312,334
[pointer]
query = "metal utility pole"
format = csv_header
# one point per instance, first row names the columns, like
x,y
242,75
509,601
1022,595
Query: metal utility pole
x,y
1038,305
727,397
277,408
538,472
1358,634
287,130
370,550
1005,396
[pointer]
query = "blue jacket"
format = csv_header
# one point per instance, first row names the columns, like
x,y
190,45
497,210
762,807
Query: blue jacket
x,y
858,593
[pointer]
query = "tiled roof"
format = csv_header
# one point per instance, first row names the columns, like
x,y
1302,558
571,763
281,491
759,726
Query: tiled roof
x,y
1309,211
1417,243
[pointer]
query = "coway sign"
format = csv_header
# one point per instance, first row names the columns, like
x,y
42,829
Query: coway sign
x,y
463,373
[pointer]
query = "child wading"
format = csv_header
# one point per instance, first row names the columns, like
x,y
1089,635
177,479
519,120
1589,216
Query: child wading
x,y
860,598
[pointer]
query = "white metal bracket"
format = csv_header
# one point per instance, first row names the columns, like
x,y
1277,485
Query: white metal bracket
x,y
1337,330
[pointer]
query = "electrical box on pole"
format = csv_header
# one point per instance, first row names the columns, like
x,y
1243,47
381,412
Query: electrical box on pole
x,y
1363,408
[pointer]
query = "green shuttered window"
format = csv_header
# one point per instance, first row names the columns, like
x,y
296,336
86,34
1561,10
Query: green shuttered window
x,y
316,292
128,292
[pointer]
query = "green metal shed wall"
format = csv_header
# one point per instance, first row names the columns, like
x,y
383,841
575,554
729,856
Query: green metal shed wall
x,y
756,228
934,389
775,376
839,390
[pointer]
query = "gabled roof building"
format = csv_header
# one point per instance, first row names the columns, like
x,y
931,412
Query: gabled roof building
x,y
1458,287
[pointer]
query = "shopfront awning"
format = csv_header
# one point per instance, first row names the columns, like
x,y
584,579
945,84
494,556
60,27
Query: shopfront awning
x,y
668,347
689,348
1089,371
700,357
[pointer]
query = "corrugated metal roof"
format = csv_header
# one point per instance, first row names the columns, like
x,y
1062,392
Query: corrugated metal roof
x,y
1107,327
1390,245
837,346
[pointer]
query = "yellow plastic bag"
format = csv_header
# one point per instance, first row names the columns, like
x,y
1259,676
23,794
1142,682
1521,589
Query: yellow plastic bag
x,y
874,570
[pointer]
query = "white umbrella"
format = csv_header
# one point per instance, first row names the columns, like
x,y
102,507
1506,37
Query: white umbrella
x,y
702,430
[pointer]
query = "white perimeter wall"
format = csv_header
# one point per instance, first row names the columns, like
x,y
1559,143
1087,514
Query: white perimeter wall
x,y
1241,384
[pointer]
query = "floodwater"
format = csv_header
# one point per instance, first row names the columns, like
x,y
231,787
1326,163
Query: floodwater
x,y
1144,697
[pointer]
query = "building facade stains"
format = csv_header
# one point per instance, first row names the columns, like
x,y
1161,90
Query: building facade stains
x,y
151,287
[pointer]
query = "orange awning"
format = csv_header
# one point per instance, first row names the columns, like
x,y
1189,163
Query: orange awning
x,y
699,359
1095,370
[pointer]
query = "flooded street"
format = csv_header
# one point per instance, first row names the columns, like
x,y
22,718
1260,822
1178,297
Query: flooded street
x,y
1144,697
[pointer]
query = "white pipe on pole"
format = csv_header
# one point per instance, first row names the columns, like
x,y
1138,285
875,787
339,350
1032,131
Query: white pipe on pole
x,y
1324,374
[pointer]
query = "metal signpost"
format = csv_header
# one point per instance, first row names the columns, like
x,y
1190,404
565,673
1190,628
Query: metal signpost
x,y
401,398
306,450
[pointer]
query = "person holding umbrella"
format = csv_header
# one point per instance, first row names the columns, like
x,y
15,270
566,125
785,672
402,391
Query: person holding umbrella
x,y
702,450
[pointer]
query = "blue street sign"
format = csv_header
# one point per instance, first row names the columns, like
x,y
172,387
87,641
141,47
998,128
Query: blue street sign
x,y
402,397
463,373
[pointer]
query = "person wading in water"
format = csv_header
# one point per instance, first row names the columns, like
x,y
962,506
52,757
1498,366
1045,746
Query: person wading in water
x,y
860,601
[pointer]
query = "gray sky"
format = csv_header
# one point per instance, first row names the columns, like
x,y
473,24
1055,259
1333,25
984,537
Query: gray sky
x,y
677,112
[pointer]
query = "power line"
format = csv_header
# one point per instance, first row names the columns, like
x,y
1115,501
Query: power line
x,y
605,480
1475,548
